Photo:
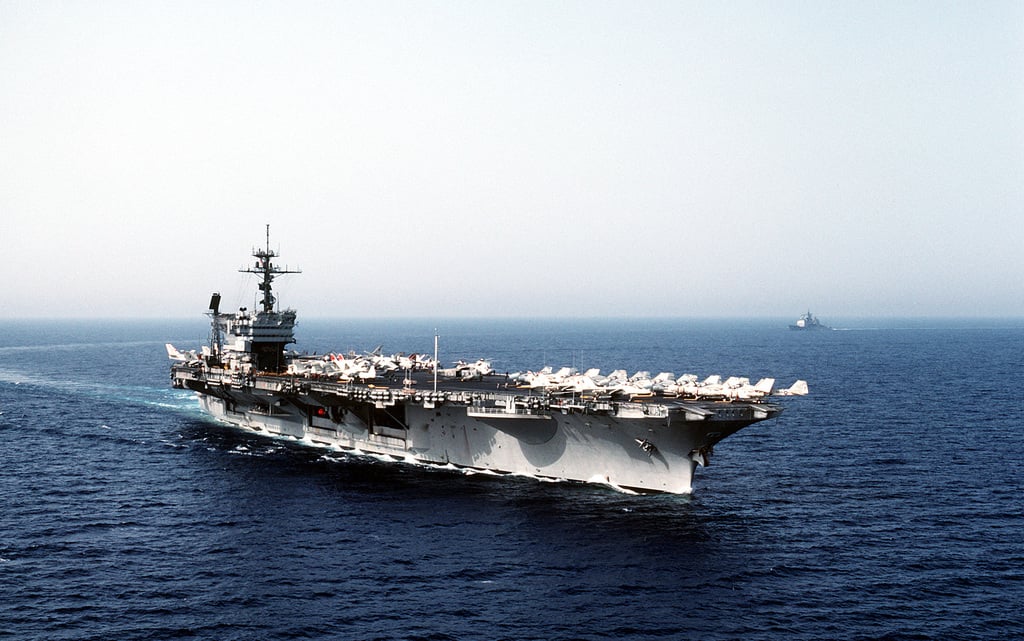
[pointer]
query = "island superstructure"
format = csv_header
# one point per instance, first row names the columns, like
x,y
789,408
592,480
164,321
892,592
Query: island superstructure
x,y
638,432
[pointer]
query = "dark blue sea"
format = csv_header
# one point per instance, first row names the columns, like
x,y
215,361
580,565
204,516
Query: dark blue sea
x,y
887,504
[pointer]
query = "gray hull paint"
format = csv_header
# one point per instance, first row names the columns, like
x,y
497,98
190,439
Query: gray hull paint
x,y
570,446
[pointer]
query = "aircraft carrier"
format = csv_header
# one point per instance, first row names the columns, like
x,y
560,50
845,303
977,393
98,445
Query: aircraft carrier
x,y
636,433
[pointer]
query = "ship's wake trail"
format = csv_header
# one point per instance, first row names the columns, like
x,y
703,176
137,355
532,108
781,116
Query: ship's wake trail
x,y
138,395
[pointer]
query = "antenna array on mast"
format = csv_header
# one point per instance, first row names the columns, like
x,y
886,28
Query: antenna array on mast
x,y
267,270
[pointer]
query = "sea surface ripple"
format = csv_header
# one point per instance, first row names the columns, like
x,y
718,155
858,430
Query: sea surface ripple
x,y
885,505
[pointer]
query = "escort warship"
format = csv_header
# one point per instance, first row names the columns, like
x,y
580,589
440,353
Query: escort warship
x,y
808,321
638,433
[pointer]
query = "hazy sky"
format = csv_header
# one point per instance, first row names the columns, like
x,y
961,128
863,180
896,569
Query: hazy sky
x,y
514,158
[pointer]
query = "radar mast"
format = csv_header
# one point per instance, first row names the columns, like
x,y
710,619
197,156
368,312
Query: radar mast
x,y
267,270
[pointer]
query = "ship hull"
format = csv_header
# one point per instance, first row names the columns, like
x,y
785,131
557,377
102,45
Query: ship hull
x,y
622,447
546,424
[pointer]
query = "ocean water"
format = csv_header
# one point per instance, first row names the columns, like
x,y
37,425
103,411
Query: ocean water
x,y
887,504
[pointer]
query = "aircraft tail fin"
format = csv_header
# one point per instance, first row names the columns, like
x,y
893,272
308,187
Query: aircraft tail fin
x,y
174,354
765,386
798,388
